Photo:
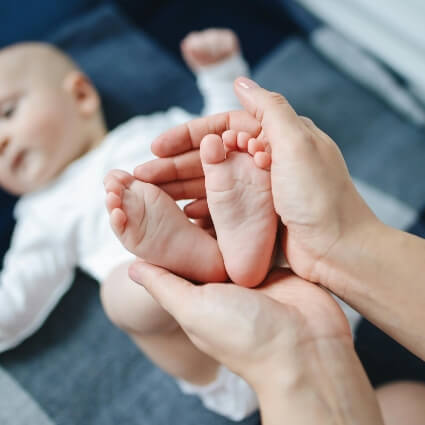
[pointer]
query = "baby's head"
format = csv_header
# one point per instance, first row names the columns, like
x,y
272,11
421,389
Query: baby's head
x,y
50,115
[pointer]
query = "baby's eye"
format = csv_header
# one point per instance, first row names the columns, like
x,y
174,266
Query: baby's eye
x,y
7,110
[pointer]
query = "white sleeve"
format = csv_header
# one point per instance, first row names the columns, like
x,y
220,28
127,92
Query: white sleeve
x,y
37,272
215,82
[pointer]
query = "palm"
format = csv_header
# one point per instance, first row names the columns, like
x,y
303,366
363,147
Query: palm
x,y
251,331
317,313
245,328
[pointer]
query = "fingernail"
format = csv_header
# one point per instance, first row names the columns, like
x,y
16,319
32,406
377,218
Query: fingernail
x,y
246,83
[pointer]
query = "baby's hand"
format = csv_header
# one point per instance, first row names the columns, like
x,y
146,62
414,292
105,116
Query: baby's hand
x,y
208,47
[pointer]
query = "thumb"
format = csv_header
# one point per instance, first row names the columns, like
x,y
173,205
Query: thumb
x,y
279,121
173,293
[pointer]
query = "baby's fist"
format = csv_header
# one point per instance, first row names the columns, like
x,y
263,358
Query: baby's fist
x,y
208,47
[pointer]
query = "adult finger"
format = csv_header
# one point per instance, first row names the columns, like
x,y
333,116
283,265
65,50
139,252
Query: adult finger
x,y
205,223
188,136
163,170
282,127
171,292
319,133
197,209
185,189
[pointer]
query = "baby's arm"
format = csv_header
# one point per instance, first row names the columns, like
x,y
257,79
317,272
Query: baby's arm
x,y
36,273
215,83
215,58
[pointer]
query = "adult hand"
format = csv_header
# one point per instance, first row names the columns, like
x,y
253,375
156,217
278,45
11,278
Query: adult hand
x,y
332,236
288,339
253,332
312,189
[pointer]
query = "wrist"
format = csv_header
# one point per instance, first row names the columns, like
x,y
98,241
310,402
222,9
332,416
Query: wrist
x,y
376,273
228,66
345,265
326,385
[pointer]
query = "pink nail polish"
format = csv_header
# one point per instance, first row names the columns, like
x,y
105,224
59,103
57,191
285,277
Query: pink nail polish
x,y
246,83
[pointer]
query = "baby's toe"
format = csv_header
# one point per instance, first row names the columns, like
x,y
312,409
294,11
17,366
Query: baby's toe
x,y
118,221
108,178
114,186
230,138
242,141
212,149
263,160
122,177
113,201
255,146
116,181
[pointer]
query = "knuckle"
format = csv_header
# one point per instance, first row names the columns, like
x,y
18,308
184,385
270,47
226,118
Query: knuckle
x,y
307,120
278,98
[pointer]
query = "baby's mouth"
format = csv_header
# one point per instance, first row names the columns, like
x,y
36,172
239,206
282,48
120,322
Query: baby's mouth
x,y
18,159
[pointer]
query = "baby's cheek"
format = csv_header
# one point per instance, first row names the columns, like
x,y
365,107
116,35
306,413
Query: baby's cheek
x,y
37,122
48,127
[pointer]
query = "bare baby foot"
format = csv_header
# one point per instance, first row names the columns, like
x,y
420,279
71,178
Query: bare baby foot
x,y
241,206
243,142
208,47
151,226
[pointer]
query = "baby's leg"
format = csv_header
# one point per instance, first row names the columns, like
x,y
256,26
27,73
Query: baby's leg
x,y
241,206
151,226
154,331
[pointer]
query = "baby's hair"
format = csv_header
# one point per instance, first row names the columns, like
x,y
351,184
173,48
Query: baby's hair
x,y
40,57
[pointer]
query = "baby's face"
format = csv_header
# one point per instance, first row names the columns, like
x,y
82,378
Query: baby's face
x,y
40,131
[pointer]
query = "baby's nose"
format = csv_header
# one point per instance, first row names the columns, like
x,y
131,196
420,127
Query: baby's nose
x,y
4,142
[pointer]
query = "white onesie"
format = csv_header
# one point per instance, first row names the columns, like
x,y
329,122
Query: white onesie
x,y
66,224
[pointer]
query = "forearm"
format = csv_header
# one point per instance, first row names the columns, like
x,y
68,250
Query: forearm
x,y
384,279
330,387
36,273
25,304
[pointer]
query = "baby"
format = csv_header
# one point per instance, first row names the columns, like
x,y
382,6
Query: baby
x,y
149,223
55,151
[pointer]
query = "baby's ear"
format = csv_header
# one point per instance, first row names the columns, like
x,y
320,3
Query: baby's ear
x,y
83,92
